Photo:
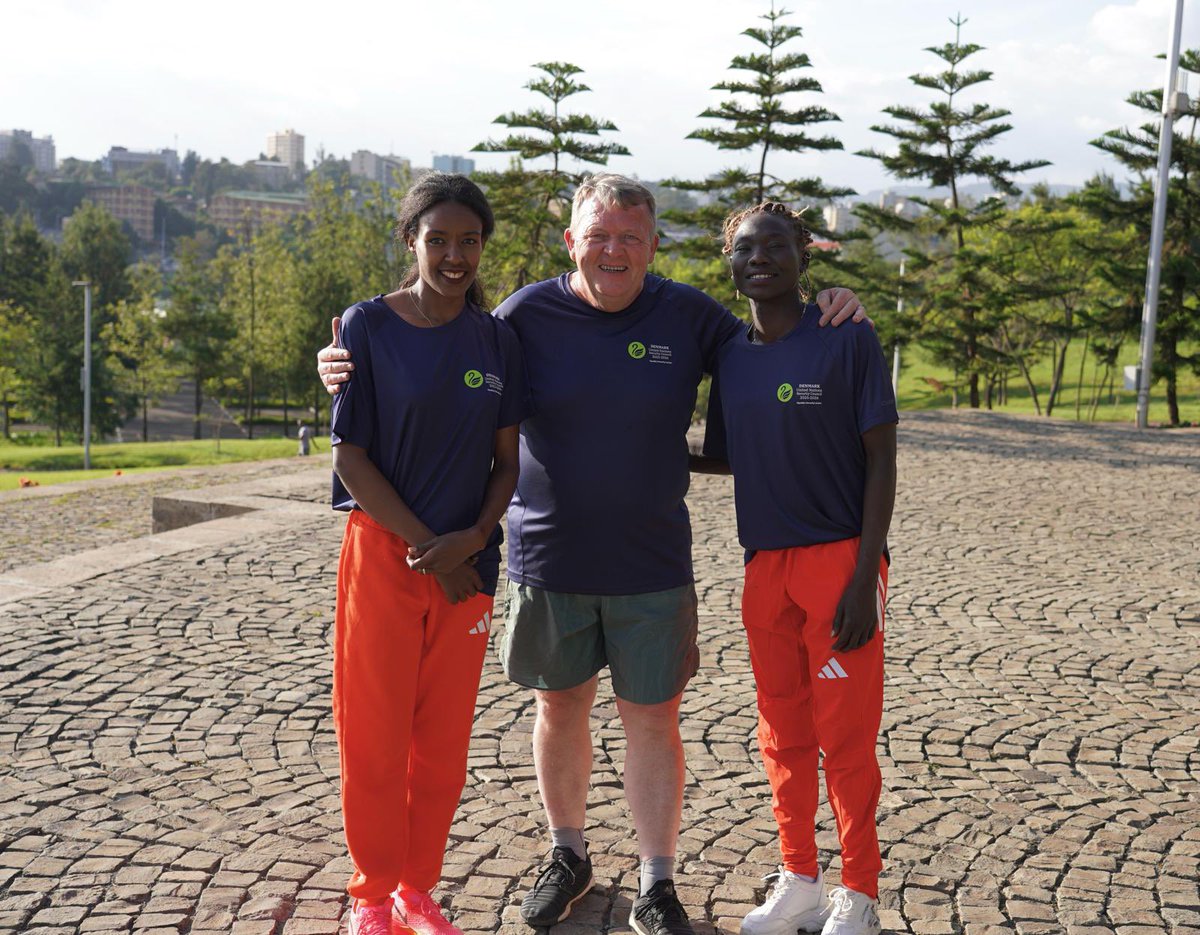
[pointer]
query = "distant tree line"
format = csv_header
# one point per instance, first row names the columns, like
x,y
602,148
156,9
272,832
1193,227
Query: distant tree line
x,y
991,287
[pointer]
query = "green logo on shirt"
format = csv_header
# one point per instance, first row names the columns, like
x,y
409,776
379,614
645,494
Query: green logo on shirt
x,y
637,350
784,392
473,379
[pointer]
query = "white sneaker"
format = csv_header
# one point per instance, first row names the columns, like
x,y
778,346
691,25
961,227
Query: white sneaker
x,y
793,904
851,913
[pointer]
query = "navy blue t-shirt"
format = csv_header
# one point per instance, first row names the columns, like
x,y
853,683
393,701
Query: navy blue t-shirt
x,y
425,403
599,505
789,417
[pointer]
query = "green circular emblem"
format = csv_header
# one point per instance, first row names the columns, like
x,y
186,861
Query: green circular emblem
x,y
784,392
473,379
637,350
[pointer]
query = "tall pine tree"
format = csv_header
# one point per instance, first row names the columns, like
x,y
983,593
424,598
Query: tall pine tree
x,y
1178,327
944,146
532,204
763,119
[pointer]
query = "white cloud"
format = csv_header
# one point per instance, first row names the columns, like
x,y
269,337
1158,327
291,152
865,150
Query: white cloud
x,y
1132,29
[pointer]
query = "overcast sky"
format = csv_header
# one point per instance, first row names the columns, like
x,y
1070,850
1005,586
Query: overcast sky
x,y
414,79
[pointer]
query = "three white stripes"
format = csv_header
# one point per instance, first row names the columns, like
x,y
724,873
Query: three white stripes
x,y
483,625
832,670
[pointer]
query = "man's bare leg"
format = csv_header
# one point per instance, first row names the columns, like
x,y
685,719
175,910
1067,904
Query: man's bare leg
x,y
653,773
562,752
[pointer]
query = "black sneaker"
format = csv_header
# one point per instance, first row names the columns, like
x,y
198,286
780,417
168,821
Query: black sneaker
x,y
659,912
560,884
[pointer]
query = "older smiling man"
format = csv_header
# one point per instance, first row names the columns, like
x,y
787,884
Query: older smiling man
x,y
599,555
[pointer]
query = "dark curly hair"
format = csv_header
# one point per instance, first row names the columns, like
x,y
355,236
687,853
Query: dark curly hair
x,y
777,209
431,190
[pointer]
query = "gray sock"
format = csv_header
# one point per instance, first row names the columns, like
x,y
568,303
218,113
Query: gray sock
x,y
569,837
655,869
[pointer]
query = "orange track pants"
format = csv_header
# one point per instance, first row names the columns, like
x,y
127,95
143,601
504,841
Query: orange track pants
x,y
811,699
406,665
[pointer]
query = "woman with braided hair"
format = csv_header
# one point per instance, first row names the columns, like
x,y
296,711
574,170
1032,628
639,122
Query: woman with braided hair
x,y
806,418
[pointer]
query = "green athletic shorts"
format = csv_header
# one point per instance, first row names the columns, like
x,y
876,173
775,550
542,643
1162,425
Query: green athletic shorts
x,y
554,640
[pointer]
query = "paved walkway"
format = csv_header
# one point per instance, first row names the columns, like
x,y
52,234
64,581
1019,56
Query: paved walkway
x,y
45,523
167,760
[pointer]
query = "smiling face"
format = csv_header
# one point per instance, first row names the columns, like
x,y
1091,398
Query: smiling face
x,y
612,248
764,258
448,245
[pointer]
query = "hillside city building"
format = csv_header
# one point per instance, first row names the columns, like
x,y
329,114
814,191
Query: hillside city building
x,y
41,149
248,212
388,171
287,146
120,160
132,204
453,164
274,175
839,217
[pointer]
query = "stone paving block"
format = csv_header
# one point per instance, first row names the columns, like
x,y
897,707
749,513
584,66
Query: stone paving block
x,y
58,915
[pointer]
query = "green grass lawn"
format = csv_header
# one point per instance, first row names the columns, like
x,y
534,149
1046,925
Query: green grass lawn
x,y
50,465
916,393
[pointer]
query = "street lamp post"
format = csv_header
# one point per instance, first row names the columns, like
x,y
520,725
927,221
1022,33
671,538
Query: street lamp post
x,y
86,375
1154,262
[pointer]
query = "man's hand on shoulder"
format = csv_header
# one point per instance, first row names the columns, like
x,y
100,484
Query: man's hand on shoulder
x,y
837,305
333,363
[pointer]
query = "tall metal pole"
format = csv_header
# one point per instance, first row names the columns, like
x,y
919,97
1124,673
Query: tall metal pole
x,y
250,390
1154,261
87,373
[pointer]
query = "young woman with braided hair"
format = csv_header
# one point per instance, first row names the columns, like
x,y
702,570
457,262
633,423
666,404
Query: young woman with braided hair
x,y
806,418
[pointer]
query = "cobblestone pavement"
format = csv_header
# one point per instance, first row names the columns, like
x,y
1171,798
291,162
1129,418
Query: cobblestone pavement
x,y
44,523
168,761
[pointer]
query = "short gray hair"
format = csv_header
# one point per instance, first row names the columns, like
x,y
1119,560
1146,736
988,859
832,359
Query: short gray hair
x,y
612,190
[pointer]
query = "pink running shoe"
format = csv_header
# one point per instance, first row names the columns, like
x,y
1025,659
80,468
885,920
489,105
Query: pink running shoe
x,y
370,920
421,914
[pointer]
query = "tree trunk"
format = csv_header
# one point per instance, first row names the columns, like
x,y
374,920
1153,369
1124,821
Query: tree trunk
x,y
248,415
1170,358
1097,388
1087,337
286,421
145,418
991,386
1056,380
1033,394
7,419
199,402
